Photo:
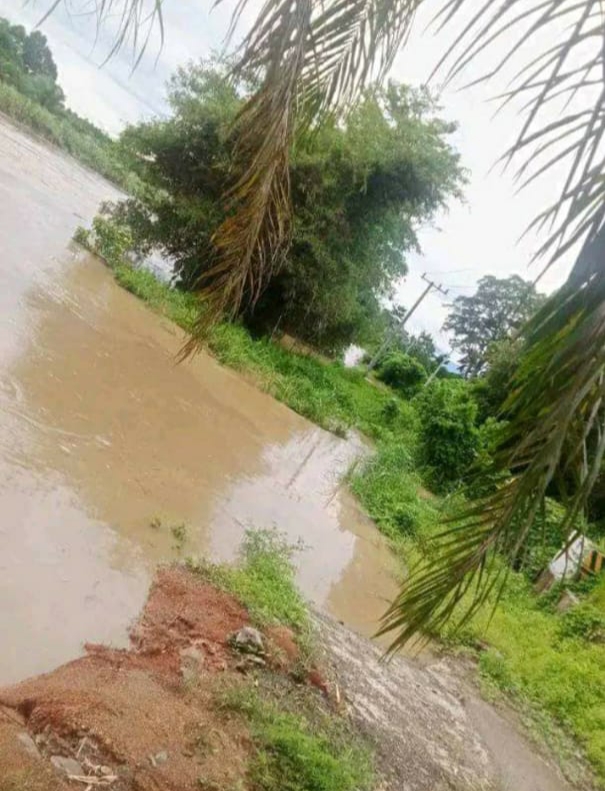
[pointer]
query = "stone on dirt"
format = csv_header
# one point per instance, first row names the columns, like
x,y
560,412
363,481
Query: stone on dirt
x,y
28,744
248,640
159,758
67,765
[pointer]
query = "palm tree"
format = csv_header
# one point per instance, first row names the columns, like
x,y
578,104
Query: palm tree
x,y
313,58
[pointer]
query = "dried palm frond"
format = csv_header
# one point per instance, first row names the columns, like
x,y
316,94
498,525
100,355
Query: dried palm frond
x,y
313,58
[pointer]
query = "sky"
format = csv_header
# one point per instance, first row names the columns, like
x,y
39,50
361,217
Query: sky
x,y
474,238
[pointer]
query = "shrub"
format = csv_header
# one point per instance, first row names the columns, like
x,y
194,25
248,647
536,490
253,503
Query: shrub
x,y
449,438
585,621
403,373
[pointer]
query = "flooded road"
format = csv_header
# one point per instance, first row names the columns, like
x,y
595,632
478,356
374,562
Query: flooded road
x,y
103,436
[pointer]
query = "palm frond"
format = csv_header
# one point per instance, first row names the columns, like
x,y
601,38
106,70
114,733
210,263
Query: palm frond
x,y
564,81
134,21
556,432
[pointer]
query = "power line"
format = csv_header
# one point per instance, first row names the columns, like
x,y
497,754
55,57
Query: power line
x,y
431,285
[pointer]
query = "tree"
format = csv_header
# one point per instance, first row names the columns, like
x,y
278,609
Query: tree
x,y
312,59
26,62
498,308
403,373
359,191
37,57
449,438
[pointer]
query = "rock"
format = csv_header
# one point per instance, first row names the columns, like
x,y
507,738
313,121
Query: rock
x,y
248,640
191,661
159,758
28,744
67,765
249,662
567,601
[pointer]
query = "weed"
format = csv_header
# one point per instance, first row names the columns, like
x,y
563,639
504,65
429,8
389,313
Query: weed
x,y
155,522
388,488
180,535
264,580
295,754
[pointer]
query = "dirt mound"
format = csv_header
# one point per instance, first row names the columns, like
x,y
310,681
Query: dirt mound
x,y
145,718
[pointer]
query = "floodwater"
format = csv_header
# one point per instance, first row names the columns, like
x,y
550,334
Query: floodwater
x,y
102,437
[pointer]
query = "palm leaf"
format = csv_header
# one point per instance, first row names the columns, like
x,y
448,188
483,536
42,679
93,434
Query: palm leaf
x,y
556,432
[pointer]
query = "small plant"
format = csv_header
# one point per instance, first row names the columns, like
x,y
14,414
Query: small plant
x,y
264,580
155,522
180,535
111,241
82,237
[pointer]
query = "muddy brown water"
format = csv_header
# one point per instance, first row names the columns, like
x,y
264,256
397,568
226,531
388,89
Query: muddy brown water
x,y
100,432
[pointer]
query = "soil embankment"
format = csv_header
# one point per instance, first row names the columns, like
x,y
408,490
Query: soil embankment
x,y
147,717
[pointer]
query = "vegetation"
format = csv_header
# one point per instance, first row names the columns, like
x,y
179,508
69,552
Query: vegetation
x,y
31,96
403,373
27,64
359,192
264,580
294,753
497,309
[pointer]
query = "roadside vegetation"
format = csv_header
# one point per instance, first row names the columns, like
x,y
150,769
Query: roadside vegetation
x,y
300,744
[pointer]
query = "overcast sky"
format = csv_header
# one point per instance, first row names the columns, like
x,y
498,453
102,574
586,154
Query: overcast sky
x,y
473,239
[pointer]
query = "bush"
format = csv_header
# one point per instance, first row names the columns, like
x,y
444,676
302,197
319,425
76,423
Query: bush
x,y
449,438
402,373
585,621
388,489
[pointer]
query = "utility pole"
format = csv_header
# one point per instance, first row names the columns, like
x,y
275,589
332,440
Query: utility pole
x,y
389,338
436,371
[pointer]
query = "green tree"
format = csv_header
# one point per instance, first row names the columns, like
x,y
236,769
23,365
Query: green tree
x,y
449,439
491,390
359,192
498,307
37,57
26,62
402,372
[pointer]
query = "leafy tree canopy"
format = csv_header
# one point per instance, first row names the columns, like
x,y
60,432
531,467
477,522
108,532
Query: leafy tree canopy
x,y
26,62
498,307
359,192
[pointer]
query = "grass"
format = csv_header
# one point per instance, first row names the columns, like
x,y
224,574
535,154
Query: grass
x,y
299,745
263,581
102,158
296,751
532,659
